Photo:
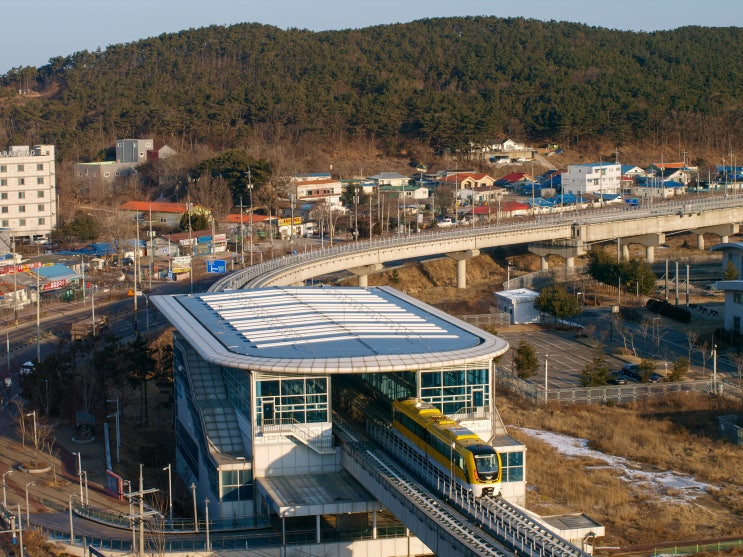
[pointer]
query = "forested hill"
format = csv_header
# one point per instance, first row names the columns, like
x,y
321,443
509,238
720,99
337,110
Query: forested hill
x,y
444,81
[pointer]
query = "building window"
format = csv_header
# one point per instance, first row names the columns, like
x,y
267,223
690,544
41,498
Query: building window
x,y
4,209
236,485
3,195
3,181
40,208
5,223
21,181
513,467
42,221
738,297
283,401
20,168
21,222
40,180
3,168
40,193
40,166
21,195
21,208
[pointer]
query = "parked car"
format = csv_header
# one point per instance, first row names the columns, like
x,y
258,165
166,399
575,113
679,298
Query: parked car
x,y
26,368
617,378
655,378
445,222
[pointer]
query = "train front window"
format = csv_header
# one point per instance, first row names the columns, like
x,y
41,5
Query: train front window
x,y
486,464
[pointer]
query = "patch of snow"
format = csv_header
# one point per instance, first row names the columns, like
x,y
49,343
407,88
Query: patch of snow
x,y
627,470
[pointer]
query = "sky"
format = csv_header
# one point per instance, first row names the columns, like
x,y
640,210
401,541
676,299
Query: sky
x,y
34,33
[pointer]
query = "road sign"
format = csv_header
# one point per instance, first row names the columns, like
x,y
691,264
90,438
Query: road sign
x,y
216,266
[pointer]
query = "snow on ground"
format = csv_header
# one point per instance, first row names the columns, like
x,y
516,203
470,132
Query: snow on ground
x,y
683,485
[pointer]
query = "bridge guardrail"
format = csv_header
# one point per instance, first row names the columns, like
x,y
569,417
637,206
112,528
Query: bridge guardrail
x,y
244,277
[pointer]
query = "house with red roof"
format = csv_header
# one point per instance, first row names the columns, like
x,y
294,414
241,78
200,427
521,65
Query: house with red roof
x,y
467,180
514,180
159,213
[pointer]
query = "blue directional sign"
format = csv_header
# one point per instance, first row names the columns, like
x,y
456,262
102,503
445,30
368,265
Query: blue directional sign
x,y
216,266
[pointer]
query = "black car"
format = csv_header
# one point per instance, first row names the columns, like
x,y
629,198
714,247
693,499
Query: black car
x,y
617,379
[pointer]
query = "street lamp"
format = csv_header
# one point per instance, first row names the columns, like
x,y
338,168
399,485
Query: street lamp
x,y
80,474
195,513
206,511
36,439
250,225
293,202
5,502
28,519
170,492
87,499
72,530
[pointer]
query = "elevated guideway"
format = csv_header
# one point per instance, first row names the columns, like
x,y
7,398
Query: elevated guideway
x,y
465,526
700,215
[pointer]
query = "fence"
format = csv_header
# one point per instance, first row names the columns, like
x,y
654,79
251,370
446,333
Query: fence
x,y
599,395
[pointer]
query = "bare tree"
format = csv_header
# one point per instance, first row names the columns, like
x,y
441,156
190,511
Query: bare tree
x,y
212,193
21,417
692,337
738,360
703,350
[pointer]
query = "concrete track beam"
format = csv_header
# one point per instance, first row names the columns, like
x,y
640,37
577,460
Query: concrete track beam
x,y
722,230
364,271
647,240
461,258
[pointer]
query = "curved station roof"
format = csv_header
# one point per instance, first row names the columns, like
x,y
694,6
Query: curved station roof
x,y
321,330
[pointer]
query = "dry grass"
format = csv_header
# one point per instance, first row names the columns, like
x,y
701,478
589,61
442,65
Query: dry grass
x,y
674,434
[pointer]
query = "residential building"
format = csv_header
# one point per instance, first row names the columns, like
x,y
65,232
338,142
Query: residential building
x,y
133,151
130,153
593,178
676,171
316,188
156,213
390,179
28,191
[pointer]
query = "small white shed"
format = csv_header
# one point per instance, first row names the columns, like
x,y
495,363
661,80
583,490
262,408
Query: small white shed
x,y
519,304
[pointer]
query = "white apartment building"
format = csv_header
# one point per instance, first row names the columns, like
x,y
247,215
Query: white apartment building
x,y
28,194
600,178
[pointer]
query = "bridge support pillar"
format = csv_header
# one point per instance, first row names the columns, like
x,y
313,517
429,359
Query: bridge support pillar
x,y
461,258
647,240
567,250
364,271
723,230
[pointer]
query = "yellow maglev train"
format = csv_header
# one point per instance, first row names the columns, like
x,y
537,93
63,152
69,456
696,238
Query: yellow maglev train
x,y
448,445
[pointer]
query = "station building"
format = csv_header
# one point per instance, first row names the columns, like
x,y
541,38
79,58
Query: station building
x,y
254,373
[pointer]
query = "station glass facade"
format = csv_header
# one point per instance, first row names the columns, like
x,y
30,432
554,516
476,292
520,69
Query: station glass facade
x,y
283,400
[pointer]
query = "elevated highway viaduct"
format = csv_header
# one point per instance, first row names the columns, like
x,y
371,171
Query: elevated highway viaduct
x,y
567,234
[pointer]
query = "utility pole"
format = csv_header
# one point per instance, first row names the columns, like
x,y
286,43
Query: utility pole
x,y
250,224
242,235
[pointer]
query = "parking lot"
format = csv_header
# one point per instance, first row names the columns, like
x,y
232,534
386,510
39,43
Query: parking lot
x,y
567,354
